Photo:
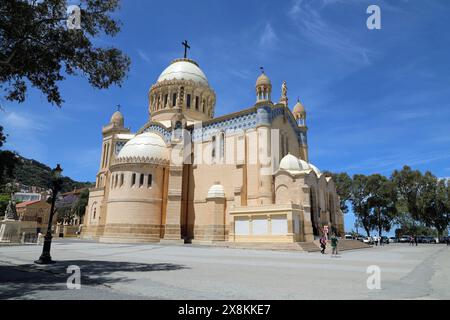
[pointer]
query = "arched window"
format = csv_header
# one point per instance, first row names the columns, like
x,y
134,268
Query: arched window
x,y
196,103
174,99
188,101
94,213
133,179
213,147
141,180
121,179
149,181
222,145
286,148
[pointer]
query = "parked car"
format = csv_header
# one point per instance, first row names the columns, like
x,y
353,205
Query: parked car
x,y
393,239
368,240
348,237
429,240
404,238
421,239
385,240
360,237
444,239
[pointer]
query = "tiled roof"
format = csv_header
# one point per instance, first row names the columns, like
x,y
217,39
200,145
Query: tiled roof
x,y
26,203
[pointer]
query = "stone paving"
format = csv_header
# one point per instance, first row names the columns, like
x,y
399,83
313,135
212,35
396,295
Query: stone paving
x,y
154,271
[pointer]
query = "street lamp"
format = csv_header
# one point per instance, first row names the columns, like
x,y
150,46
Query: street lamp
x,y
45,257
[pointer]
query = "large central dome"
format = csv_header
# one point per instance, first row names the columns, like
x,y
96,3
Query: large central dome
x,y
181,87
184,69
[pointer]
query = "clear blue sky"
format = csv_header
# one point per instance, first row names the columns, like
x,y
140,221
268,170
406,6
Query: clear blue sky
x,y
375,99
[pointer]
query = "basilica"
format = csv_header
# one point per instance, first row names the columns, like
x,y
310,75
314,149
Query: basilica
x,y
187,176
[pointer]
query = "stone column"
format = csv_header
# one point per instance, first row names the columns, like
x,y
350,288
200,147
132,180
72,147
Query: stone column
x,y
308,234
172,232
265,190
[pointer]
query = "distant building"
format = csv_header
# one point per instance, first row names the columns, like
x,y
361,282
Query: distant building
x,y
38,211
22,196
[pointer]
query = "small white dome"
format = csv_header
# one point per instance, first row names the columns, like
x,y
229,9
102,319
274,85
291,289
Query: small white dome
x,y
145,145
304,165
216,191
290,163
315,169
184,69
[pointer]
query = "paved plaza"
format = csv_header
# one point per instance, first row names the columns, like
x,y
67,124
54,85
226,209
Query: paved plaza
x,y
138,271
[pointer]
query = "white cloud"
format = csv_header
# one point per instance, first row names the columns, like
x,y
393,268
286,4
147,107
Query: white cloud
x,y
143,55
26,134
268,36
16,122
308,17
397,161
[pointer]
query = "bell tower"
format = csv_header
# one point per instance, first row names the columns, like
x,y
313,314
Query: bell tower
x,y
300,116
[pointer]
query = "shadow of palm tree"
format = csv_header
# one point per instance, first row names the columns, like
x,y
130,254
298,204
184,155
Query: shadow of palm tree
x,y
20,281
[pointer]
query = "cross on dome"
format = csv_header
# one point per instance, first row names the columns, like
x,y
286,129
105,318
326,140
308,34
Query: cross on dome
x,y
186,46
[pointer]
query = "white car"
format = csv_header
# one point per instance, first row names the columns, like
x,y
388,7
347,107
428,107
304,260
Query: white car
x,y
368,240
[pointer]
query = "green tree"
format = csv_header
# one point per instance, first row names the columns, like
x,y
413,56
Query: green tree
x,y
79,207
8,160
4,200
433,203
408,186
360,201
343,184
381,202
38,49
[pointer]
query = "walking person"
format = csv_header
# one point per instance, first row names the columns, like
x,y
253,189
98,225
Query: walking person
x,y
323,244
416,240
411,240
334,243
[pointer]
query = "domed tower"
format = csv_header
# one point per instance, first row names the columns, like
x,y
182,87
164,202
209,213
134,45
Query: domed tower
x,y
263,88
182,88
300,116
117,119
109,133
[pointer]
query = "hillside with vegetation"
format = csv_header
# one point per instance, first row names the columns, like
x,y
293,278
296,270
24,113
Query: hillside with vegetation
x,y
34,173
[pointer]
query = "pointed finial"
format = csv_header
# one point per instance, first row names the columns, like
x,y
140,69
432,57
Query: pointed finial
x,y
118,107
262,69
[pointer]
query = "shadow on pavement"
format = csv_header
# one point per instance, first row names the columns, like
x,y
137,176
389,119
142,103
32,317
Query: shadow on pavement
x,y
20,281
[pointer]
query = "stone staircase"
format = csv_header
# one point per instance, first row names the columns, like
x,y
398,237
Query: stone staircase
x,y
260,245
313,246
310,246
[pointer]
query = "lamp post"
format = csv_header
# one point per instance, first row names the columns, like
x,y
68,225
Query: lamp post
x,y
45,257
